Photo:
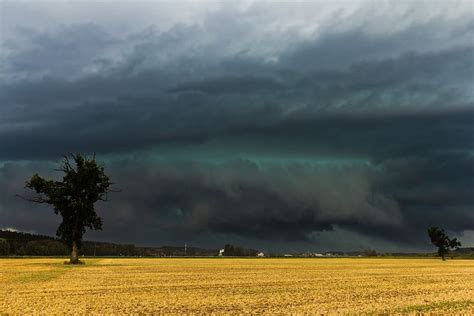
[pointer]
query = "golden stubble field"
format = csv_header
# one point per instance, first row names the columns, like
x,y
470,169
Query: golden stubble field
x,y
168,285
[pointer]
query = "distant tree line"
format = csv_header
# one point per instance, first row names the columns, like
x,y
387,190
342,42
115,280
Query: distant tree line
x,y
32,248
25,244
53,247
235,251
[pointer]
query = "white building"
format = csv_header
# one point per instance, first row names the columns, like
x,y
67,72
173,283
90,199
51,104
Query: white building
x,y
260,254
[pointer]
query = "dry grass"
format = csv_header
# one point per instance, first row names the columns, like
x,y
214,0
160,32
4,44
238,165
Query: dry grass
x,y
111,286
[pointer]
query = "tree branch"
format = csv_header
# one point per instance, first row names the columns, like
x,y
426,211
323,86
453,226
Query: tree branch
x,y
36,199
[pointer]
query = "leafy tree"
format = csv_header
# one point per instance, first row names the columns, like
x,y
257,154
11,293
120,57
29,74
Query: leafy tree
x,y
370,252
228,250
231,250
83,184
4,247
442,241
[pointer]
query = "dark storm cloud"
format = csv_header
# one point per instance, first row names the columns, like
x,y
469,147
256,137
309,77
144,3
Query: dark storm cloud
x,y
162,200
393,200
62,52
239,197
229,85
15,212
355,124
339,49
152,111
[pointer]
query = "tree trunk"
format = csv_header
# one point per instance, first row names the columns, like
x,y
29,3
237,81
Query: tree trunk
x,y
74,254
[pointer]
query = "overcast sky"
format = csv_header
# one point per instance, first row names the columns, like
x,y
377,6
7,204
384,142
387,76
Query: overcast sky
x,y
325,125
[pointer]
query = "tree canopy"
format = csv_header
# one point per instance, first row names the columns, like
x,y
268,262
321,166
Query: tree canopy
x,y
83,184
442,241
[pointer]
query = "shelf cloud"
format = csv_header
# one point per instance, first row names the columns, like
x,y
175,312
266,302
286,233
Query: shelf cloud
x,y
260,122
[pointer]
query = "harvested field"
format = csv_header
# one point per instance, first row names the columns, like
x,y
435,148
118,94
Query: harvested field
x,y
227,285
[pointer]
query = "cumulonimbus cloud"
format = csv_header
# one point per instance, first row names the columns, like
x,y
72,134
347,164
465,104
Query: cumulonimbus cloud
x,y
281,126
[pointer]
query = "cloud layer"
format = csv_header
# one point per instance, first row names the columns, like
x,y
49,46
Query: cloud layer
x,y
260,122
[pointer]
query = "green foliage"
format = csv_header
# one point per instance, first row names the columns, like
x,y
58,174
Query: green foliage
x,y
442,241
45,248
231,250
21,236
108,249
369,252
83,184
4,247
27,244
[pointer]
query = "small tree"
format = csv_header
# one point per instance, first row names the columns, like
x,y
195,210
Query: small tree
x,y
73,198
441,240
